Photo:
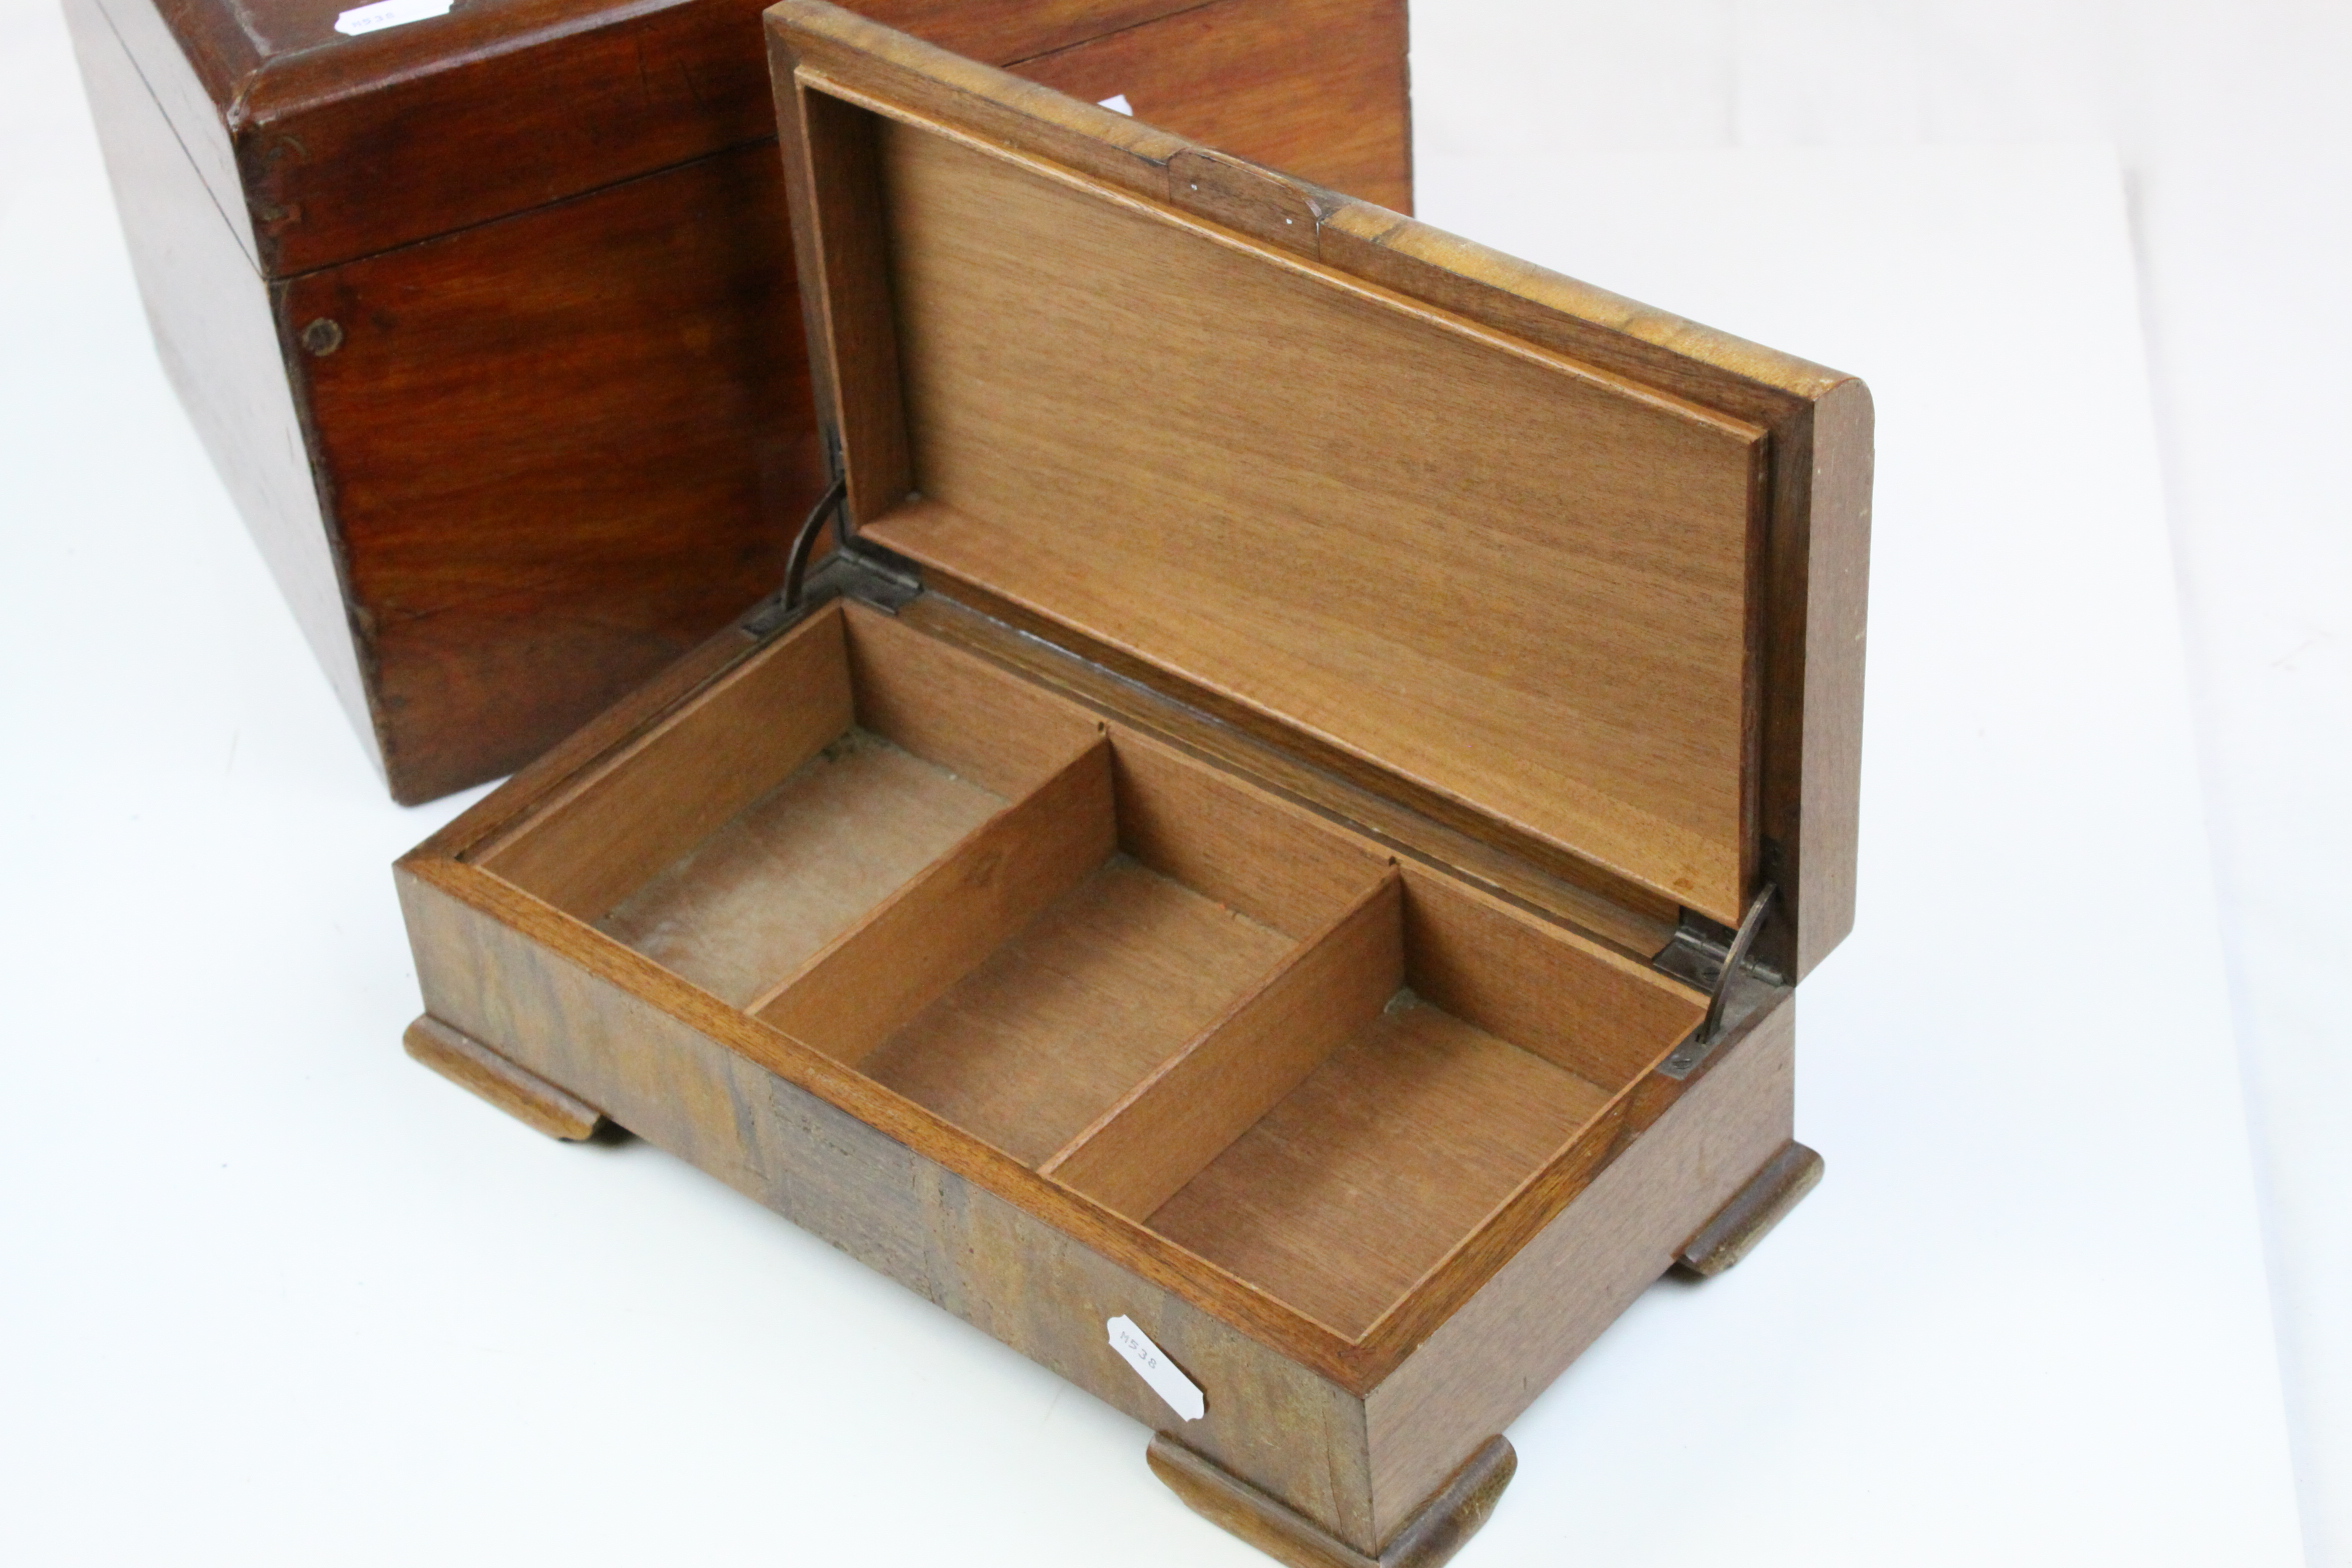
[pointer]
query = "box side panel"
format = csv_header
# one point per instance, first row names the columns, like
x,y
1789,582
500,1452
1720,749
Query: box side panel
x,y
190,99
1490,1360
1283,1428
1827,792
1313,87
566,447
219,342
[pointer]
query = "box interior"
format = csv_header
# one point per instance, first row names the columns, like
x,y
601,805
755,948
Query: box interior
x,y
1211,1011
1519,585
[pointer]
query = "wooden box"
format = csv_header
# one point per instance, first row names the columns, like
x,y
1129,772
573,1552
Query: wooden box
x,y
1279,851
487,319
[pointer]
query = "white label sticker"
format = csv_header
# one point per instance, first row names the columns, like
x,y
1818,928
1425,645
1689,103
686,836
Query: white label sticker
x,y
387,13
1118,102
1181,1393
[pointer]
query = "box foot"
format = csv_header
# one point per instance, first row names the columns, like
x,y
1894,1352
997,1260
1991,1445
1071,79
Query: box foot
x,y
1451,1516
522,1094
1763,1203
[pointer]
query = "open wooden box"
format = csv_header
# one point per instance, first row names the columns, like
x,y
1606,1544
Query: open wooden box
x,y
1285,834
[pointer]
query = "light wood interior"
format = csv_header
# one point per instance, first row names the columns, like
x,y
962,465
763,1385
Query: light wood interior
x,y
1510,580
1088,934
1174,992
1382,1159
850,824
772,812
1077,1007
1358,1120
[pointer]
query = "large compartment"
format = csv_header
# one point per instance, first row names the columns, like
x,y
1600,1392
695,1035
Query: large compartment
x,y
1175,993
773,810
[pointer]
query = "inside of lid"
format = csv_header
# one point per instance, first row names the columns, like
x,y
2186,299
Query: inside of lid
x,y
1514,583
1207,1010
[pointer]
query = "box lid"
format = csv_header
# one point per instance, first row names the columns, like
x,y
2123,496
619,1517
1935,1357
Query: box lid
x,y
325,137
1577,577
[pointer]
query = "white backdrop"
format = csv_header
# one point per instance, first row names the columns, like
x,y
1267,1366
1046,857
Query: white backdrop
x,y
2234,130
275,1295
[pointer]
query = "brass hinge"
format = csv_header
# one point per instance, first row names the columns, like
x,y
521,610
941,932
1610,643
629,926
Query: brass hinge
x,y
1696,956
872,575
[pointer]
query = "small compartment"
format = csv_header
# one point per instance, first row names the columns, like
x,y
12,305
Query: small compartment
x,y
779,806
1026,983
1343,1134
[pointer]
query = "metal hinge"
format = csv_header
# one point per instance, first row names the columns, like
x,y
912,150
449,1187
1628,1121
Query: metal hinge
x,y
1697,956
872,575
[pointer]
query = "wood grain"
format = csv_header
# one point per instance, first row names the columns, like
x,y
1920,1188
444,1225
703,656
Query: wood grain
x,y
798,866
1163,1131
490,110
932,932
543,781
1217,832
831,171
610,832
215,332
964,713
564,425
736,734
1278,528
1638,927
637,728
1424,1220
1590,1011
1813,770
1439,1529
562,447
1074,1009
522,1094
1740,1225
1488,1361
886,1181
1019,1255
1317,87
1378,1164
1812,485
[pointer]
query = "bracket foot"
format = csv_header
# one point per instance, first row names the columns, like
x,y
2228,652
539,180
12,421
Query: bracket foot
x,y
1436,1531
522,1094
1763,1203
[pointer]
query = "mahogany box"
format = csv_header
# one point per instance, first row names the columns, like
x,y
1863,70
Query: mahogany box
x,y
487,317
1270,868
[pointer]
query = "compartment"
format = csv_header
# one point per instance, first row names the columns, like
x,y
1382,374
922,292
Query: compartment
x,y
1335,1139
1027,982
781,804
1175,993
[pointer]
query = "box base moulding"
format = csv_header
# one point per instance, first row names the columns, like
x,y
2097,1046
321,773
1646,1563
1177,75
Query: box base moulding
x,y
521,1093
1747,1219
1427,1536
1436,1531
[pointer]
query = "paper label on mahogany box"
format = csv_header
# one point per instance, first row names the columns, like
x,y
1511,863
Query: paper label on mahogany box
x,y
1117,102
1152,1364
387,13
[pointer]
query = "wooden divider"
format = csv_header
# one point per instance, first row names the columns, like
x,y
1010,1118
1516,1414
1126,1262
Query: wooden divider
x,y
1171,1125
674,786
1246,848
1547,991
1002,732
917,943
